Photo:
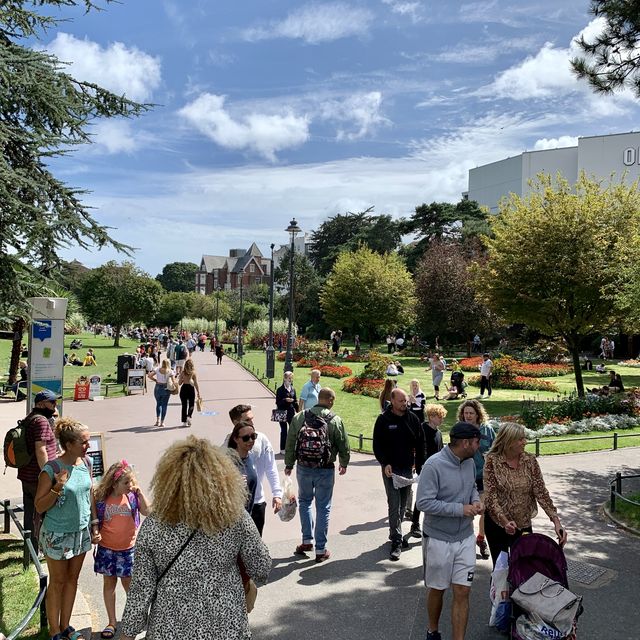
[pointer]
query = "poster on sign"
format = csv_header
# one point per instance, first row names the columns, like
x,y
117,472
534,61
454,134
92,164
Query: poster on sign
x,y
97,455
95,383
81,389
136,380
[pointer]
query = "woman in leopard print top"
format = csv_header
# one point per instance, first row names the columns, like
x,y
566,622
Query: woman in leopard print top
x,y
196,487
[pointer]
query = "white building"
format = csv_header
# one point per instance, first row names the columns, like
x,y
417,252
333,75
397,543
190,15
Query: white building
x,y
599,156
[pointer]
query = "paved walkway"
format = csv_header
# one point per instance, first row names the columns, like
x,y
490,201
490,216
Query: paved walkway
x,y
359,593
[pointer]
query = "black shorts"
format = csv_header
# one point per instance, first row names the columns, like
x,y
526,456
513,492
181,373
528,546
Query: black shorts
x,y
480,484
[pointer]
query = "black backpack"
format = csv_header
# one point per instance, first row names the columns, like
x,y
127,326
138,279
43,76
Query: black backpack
x,y
180,352
313,448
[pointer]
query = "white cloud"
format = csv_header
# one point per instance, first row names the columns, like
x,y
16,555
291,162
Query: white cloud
x,y
120,69
116,136
316,23
555,143
545,74
363,110
264,133
404,8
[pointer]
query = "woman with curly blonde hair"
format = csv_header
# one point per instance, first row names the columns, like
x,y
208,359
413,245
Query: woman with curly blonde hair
x,y
64,497
197,532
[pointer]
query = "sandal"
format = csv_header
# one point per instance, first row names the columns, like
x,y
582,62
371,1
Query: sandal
x,y
71,634
108,632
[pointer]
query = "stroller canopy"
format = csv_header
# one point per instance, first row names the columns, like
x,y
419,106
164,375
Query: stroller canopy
x,y
537,553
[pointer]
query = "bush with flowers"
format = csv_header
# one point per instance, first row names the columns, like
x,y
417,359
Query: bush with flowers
x,y
602,423
363,386
518,382
630,363
506,366
334,371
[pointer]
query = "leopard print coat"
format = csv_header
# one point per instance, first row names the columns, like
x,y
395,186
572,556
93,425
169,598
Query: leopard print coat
x,y
201,596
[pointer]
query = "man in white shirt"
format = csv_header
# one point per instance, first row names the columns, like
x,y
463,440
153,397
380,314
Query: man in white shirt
x,y
485,375
264,460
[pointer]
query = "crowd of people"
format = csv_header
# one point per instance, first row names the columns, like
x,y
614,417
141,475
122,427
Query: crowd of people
x,y
205,517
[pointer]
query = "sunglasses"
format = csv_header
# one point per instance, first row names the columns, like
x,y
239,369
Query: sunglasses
x,y
251,436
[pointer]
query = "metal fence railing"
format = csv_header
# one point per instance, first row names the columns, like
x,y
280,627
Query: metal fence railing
x,y
28,555
615,487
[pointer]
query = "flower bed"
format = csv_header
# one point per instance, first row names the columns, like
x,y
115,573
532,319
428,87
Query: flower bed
x,y
363,386
519,382
630,363
515,368
335,371
602,423
470,364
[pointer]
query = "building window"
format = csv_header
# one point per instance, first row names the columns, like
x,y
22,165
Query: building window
x,y
252,268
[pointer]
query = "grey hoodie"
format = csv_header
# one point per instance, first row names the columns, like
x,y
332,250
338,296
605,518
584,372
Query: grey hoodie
x,y
446,484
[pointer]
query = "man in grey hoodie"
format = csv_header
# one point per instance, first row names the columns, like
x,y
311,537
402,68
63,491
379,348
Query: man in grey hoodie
x,y
448,497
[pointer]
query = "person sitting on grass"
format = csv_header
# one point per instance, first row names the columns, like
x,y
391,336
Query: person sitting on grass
x,y
615,382
89,360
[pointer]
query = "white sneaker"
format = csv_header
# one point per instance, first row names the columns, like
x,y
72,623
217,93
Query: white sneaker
x,y
184,424
188,422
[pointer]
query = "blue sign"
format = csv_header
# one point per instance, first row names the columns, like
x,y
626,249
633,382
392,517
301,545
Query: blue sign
x,y
41,329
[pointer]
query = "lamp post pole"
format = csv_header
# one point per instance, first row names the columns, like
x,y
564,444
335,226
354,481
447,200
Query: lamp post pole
x,y
292,229
271,362
240,335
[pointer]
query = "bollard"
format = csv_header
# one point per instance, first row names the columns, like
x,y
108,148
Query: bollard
x,y
615,440
612,504
361,441
25,549
537,447
619,483
7,521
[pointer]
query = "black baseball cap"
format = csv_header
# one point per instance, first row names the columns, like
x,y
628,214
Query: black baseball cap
x,y
464,430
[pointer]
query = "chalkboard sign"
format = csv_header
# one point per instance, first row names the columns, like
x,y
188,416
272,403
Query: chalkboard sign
x,y
97,455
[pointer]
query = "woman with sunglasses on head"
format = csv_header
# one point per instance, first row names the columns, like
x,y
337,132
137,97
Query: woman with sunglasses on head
x,y
241,440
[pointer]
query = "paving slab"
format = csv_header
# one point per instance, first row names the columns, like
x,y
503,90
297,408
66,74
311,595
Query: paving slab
x,y
359,592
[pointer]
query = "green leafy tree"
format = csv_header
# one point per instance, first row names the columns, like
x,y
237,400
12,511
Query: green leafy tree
x,y
348,231
559,256
611,60
119,294
306,290
447,304
442,221
173,306
44,112
368,293
178,276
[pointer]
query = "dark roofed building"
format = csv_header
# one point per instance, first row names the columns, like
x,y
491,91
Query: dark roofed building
x,y
224,272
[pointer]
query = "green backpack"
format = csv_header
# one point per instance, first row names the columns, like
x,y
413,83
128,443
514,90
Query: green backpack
x,y
16,454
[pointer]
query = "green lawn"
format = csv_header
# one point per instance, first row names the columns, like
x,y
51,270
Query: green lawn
x,y
18,590
106,360
360,412
629,513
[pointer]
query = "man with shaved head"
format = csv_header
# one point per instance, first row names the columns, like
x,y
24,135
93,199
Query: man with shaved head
x,y
399,447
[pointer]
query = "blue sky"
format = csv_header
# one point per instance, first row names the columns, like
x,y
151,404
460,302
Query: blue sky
x,y
272,109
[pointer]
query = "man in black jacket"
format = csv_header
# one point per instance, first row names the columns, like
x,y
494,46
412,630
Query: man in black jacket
x,y
399,447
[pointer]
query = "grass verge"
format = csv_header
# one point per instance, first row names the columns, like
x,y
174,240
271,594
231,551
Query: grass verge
x,y
18,590
629,513
359,413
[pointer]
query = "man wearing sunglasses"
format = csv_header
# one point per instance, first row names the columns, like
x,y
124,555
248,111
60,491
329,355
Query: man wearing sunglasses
x,y
316,438
264,460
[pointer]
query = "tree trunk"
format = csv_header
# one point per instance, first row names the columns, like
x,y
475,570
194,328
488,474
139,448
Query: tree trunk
x,y
116,340
16,348
577,369
468,348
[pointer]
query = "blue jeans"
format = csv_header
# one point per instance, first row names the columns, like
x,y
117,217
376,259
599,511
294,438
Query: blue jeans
x,y
162,395
315,484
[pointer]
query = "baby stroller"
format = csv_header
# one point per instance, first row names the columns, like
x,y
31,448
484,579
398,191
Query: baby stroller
x,y
538,574
457,381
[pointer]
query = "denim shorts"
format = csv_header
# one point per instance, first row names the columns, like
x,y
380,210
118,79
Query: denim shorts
x,y
113,563
64,546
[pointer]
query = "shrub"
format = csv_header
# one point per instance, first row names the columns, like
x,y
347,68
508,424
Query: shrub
x,y
376,368
518,382
370,387
335,371
470,364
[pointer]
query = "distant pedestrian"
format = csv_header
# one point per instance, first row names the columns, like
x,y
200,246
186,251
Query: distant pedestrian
x,y
357,344
219,352
316,438
286,400
310,391
189,390
119,503
486,368
181,354
438,366
161,376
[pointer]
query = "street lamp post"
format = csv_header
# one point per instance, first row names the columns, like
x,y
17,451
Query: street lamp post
x,y
292,230
271,359
240,336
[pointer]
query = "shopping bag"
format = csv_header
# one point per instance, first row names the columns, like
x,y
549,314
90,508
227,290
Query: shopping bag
x,y
289,502
499,592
